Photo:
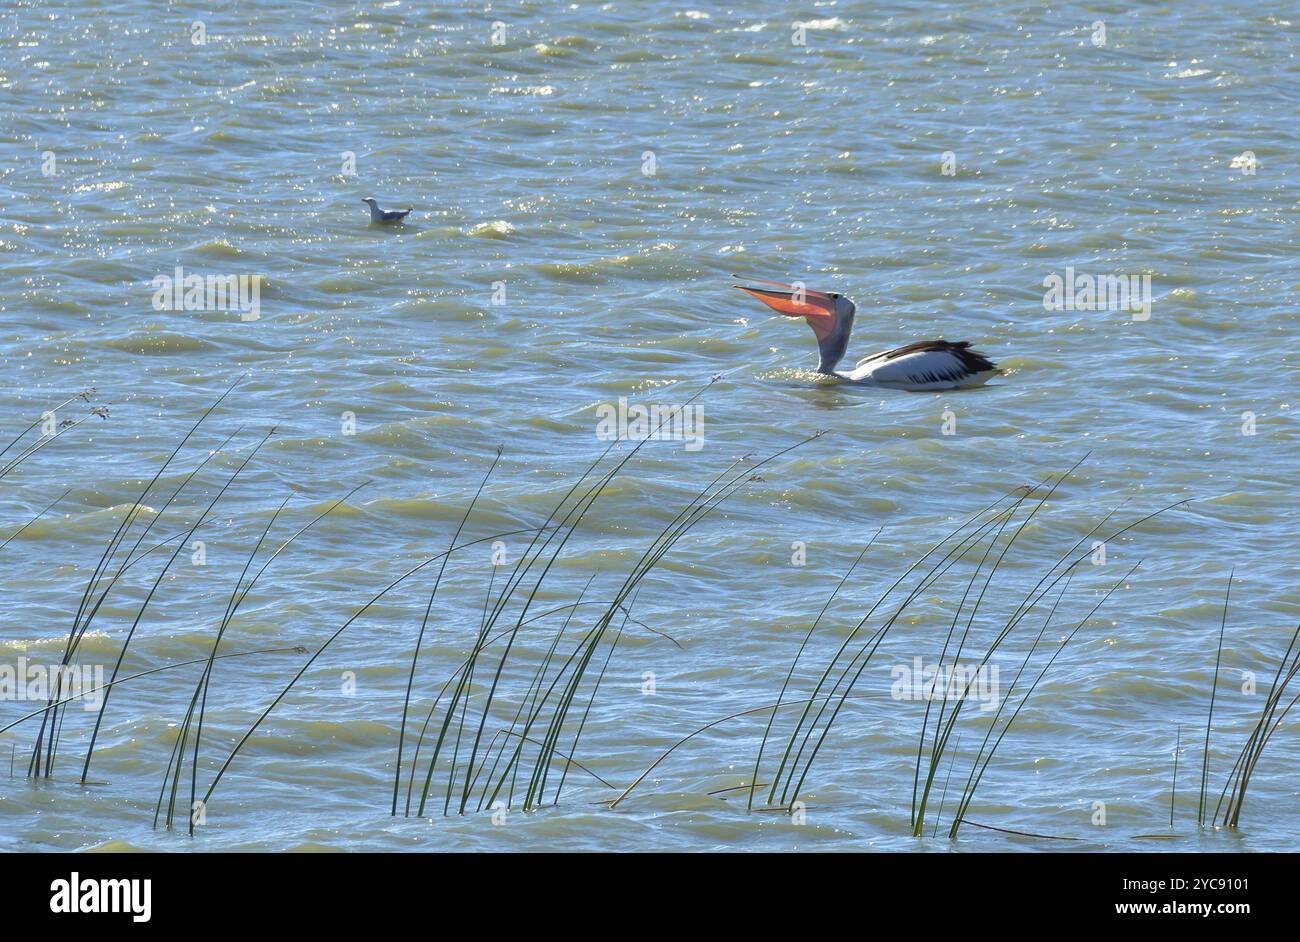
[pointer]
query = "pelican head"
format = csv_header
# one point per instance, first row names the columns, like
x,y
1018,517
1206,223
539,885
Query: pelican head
x,y
829,315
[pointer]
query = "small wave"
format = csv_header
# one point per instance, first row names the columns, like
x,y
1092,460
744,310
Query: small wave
x,y
497,229
19,645
158,342
543,91
833,22
218,248
350,732
225,136
107,186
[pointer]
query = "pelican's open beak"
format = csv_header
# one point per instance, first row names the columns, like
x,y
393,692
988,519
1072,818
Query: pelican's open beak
x,y
797,301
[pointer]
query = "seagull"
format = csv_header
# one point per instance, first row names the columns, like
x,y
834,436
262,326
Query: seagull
x,y
926,365
381,215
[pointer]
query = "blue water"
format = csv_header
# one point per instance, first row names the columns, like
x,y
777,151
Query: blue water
x,y
585,193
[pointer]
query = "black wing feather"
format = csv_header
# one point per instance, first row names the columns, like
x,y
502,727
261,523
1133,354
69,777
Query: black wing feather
x,y
971,360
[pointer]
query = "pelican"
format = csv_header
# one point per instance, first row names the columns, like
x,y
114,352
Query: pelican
x,y
926,365
384,215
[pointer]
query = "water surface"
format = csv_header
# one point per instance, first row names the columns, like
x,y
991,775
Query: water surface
x,y
546,272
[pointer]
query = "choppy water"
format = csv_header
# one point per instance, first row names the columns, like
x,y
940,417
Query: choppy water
x,y
127,150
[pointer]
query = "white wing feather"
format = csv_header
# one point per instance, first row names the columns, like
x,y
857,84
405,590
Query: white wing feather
x,y
925,369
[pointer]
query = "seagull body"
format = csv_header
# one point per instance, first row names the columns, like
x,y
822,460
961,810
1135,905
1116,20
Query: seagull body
x,y
926,365
380,215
